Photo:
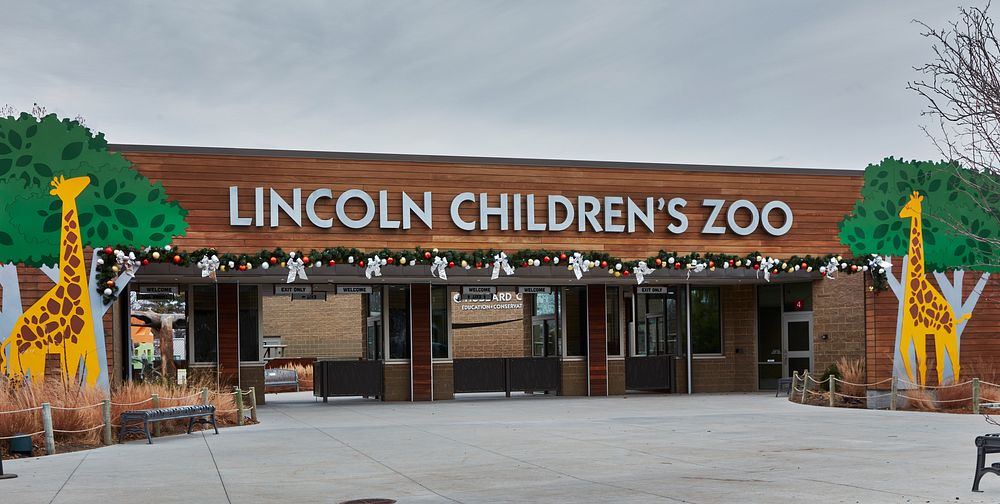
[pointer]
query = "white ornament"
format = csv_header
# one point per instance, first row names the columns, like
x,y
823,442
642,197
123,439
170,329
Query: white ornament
x,y
350,259
167,248
555,260
108,292
671,260
538,262
618,266
265,265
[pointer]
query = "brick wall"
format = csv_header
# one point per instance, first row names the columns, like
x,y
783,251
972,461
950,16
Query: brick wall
x,y
444,381
574,378
252,376
616,377
397,381
838,313
736,369
321,329
497,332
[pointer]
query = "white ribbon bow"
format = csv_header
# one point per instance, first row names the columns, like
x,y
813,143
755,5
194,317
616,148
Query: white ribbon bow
x,y
374,267
209,265
878,265
832,268
641,271
579,265
126,262
767,265
295,268
439,268
697,267
500,262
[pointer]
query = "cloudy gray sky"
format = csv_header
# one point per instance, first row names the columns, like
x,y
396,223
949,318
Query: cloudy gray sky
x,y
772,83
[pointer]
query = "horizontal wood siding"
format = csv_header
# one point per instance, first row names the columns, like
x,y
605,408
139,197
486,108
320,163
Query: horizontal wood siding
x,y
200,183
597,343
420,346
229,335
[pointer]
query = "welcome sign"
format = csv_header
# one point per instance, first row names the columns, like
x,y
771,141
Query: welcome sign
x,y
471,211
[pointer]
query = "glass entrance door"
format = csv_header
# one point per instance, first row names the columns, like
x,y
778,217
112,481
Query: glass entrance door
x,y
797,337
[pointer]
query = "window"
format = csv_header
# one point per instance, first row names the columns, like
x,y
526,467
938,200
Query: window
x,y
612,310
398,307
373,324
249,323
545,338
797,297
205,331
706,321
657,321
576,321
439,322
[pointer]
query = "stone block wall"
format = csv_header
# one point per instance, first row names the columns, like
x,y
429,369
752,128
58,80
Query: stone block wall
x,y
397,381
331,329
838,314
444,381
736,369
574,378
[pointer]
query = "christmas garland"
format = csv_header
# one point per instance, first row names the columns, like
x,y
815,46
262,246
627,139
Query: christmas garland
x,y
112,262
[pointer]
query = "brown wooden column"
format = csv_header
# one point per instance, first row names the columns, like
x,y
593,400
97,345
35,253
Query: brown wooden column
x,y
597,341
228,305
420,342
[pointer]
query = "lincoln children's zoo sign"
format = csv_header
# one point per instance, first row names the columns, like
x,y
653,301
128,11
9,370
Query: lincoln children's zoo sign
x,y
514,212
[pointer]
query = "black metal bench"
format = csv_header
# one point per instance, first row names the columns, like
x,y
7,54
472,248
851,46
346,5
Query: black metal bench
x,y
986,444
281,377
197,414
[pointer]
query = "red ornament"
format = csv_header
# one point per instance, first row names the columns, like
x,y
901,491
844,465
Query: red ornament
x,y
756,266
332,262
273,260
677,265
177,259
361,264
243,267
775,271
732,262
625,273
145,262
804,265
546,259
604,264
451,264
305,259
711,264
389,260
111,283
427,255
109,250
562,256
524,264
854,267
479,265
659,262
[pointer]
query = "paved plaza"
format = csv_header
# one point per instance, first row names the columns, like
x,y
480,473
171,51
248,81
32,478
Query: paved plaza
x,y
643,448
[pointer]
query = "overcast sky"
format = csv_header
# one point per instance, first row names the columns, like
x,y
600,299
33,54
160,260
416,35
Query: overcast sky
x,y
770,83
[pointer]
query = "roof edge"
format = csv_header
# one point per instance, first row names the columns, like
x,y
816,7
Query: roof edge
x,y
431,158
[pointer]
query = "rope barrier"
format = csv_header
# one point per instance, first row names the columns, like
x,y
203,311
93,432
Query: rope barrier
x,y
20,435
181,398
77,431
887,380
908,382
131,404
36,408
934,400
60,408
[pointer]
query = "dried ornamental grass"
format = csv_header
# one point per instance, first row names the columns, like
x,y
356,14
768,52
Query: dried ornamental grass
x,y
853,376
304,373
919,399
952,397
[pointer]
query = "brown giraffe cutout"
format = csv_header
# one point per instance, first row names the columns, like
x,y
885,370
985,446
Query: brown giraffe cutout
x,y
925,310
60,321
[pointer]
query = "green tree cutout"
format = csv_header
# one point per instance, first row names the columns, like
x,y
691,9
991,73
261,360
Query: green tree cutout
x,y
874,227
120,207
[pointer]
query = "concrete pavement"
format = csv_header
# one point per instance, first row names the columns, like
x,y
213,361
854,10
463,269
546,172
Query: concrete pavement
x,y
643,448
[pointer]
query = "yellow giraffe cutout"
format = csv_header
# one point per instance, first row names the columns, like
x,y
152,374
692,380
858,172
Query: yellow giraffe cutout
x,y
60,322
925,310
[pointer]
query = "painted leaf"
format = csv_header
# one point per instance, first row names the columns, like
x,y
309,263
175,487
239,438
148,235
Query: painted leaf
x,y
72,151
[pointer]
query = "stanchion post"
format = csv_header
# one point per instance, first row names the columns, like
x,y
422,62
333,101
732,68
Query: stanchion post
x,y
833,389
156,425
238,395
50,438
4,475
253,404
795,380
204,395
106,414
805,385
893,393
975,396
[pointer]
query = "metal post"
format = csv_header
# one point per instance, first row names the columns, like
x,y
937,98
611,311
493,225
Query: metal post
x,y
892,394
50,439
204,395
3,475
156,425
106,413
975,396
690,351
239,405
833,390
253,404
805,385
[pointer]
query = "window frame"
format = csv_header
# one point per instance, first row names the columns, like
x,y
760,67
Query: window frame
x,y
447,315
193,323
386,308
260,324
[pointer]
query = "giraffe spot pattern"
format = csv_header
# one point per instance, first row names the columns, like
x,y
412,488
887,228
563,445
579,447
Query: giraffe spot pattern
x,y
60,291
74,261
69,215
51,326
79,310
915,284
27,334
71,237
67,270
72,224
75,324
43,318
67,307
74,291
52,306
